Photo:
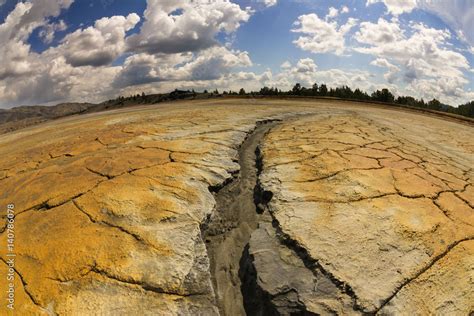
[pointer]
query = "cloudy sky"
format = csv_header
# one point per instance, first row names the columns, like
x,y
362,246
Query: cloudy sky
x,y
53,51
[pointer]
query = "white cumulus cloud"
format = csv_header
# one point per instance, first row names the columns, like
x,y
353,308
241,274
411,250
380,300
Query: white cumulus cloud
x,y
100,44
391,74
458,14
420,57
184,26
210,64
333,12
269,3
48,32
396,7
183,51
17,59
320,36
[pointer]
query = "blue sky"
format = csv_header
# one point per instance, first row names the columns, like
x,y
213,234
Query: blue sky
x,y
89,50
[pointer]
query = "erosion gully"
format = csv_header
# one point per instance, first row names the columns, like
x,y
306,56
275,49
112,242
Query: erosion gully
x,y
233,221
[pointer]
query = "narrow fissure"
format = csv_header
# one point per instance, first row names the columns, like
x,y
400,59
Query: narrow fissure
x,y
257,301
235,217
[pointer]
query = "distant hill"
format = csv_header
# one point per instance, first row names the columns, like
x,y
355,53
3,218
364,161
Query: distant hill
x,y
24,116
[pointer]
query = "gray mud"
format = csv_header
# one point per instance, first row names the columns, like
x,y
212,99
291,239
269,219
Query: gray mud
x,y
232,223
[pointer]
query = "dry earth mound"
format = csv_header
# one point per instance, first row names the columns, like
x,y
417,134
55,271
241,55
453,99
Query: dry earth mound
x,y
380,206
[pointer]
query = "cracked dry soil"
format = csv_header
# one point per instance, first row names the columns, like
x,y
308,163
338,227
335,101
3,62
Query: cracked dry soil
x,y
385,216
363,210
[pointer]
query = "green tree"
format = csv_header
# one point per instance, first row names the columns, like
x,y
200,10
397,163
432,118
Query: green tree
x,y
383,95
265,91
466,109
434,105
323,90
296,89
315,89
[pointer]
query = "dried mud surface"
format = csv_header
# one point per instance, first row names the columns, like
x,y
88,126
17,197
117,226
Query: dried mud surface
x,y
365,210
381,205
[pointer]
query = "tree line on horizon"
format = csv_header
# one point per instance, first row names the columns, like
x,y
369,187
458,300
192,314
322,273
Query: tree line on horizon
x,y
342,92
345,92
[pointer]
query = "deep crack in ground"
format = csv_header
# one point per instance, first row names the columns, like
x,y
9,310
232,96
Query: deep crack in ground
x,y
232,223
